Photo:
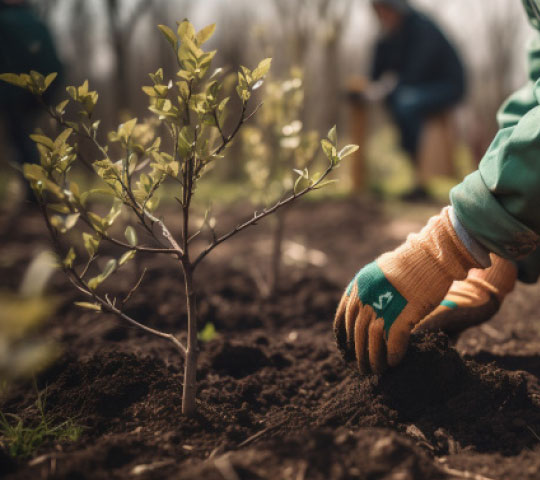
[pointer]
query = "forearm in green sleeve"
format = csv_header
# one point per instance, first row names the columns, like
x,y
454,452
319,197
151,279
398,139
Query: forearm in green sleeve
x,y
499,204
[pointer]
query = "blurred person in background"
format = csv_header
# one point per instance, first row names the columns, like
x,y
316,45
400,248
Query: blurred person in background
x,y
417,72
25,44
457,271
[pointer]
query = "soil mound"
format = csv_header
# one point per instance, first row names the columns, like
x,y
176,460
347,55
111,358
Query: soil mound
x,y
452,403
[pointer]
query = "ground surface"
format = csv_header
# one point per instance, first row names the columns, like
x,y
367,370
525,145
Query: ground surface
x,y
275,399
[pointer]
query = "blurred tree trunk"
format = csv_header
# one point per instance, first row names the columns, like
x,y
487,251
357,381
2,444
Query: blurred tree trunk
x,y
315,28
121,32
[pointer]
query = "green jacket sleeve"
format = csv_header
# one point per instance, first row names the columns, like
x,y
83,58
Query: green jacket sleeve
x,y
499,204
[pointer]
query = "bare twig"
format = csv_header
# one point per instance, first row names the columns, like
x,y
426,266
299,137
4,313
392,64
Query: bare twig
x,y
134,288
259,216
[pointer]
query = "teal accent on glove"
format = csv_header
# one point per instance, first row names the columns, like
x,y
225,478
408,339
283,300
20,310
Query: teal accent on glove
x,y
449,304
375,290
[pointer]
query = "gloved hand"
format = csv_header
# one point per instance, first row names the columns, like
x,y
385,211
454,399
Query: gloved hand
x,y
388,297
473,300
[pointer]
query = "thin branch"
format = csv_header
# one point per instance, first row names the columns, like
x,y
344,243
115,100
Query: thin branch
x,y
138,248
228,139
258,216
166,233
109,307
87,266
134,288
106,304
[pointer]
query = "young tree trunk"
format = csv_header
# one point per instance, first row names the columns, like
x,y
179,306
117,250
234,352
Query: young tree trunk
x,y
190,370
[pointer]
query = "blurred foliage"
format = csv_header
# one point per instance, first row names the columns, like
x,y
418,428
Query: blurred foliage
x,y
278,140
20,353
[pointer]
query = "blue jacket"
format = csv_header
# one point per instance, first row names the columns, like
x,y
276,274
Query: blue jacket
x,y
418,53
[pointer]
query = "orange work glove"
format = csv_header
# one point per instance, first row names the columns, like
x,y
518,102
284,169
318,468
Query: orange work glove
x,y
388,297
473,300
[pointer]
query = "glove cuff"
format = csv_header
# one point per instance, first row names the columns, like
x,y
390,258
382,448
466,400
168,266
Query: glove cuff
x,y
499,279
424,267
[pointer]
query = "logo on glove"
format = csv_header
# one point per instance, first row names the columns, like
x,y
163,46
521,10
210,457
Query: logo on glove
x,y
384,300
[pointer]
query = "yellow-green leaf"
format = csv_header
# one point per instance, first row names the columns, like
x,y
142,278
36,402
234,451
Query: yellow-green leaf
x,y
208,333
49,79
186,30
70,258
43,140
262,69
126,129
332,135
127,257
17,80
150,91
61,107
131,235
347,150
89,306
169,35
205,34
91,243
61,139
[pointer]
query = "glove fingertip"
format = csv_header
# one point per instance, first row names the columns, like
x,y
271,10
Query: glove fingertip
x,y
397,344
377,346
339,326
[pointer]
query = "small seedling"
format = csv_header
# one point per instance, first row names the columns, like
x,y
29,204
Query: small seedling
x,y
133,167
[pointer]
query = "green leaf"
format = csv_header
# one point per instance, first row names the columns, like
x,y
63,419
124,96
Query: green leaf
x,y
131,235
110,267
49,79
262,69
332,135
208,333
150,91
71,220
324,183
97,222
89,306
83,89
62,138
328,149
70,258
61,107
34,172
91,243
43,140
169,35
116,209
16,80
127,257
186,30
126,129
347,150
205,34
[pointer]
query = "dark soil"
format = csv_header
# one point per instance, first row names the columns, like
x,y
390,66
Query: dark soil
x,y
276,400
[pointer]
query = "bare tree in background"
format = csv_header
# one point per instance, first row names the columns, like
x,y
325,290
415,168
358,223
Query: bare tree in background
x,y
492,80
121,32
316,24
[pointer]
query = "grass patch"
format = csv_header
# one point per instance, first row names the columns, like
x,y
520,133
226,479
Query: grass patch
x,y
21,440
